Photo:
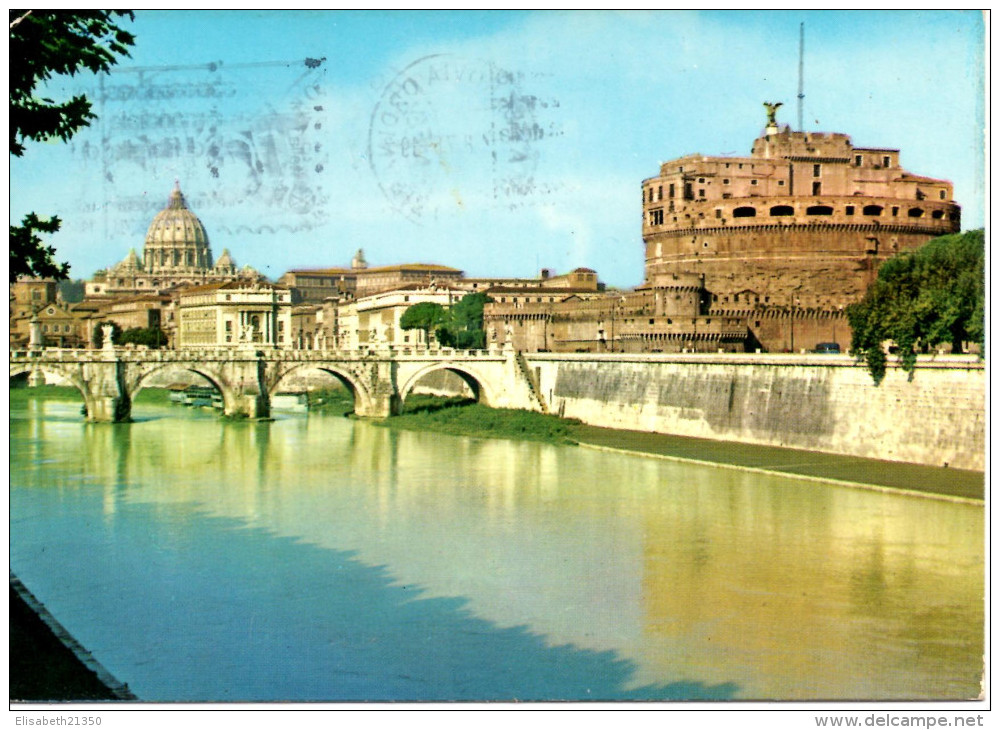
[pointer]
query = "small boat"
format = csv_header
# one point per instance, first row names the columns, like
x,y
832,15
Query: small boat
x,y
198,395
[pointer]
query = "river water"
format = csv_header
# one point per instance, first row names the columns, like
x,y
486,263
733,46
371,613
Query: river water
x,y
319,558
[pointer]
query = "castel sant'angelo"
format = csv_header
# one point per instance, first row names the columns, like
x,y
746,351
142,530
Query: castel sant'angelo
x,y
790,235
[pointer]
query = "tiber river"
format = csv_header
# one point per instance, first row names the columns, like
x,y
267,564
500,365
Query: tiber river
x,y
319,558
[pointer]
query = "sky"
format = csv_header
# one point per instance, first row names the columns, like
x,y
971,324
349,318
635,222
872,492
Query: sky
x,y
496,142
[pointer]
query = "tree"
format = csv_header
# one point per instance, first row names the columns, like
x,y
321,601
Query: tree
x,y
922,298
424,316
464,327
44,43
151,337
72,291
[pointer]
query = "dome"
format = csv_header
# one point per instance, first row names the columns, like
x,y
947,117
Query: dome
x,y
176,239
225,263
130,264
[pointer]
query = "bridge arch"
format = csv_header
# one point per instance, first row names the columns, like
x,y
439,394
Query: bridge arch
x,y
480,386
362,396
140,380
61,373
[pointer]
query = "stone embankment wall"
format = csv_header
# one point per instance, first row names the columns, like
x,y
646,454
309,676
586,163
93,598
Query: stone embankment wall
x,y
817,402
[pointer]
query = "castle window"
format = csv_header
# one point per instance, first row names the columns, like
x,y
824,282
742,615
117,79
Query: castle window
x,y
725,180
937,214
849,210
941,194
781,183
872,210
718,212
782,210
886,160
701,192
858,159
817,188
916,212
656,217
701,179
651,321
671,191
819,210
816,170
745,211
753,182
740,165
895,211
659,192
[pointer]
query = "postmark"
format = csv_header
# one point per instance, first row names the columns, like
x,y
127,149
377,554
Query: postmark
x,y
257,167
449,134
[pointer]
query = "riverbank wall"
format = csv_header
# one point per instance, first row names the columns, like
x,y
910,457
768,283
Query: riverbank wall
x,y
817,402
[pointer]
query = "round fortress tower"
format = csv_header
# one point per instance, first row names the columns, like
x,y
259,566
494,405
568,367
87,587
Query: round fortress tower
x,y
804,221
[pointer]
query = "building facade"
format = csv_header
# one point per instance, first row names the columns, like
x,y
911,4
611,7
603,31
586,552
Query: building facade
x,y
234,314
373,321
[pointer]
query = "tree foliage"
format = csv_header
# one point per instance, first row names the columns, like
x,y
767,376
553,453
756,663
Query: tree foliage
x,y
460,326
464,326
424,316
922,298
28,254
43,44
152,337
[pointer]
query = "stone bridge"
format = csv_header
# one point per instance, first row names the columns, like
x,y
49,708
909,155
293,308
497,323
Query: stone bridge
x,y
247,379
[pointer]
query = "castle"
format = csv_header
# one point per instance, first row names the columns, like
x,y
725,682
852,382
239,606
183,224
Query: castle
x,y
797,230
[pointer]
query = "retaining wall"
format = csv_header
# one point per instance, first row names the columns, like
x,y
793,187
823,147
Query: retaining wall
x,y
817,402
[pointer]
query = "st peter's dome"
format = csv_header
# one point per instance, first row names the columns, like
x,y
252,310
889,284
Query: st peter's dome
x,y
176,239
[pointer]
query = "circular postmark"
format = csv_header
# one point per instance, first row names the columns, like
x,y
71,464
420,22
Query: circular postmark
x,y
450,133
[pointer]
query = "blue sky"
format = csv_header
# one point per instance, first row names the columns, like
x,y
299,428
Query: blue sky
x,y
497,142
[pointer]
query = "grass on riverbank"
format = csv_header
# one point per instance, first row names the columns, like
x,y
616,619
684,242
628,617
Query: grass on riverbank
x,y
465,417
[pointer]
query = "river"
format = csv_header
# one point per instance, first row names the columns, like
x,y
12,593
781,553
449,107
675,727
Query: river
x,y
317,558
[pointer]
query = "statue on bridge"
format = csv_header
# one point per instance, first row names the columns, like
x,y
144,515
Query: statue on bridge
x,y
107,330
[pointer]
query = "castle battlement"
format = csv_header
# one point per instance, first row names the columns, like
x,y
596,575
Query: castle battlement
x,y
805,212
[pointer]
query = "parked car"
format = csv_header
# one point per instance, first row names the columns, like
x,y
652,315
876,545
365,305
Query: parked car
x,y
829,348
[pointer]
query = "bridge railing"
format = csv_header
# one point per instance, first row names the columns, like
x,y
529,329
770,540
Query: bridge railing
x,y
54,354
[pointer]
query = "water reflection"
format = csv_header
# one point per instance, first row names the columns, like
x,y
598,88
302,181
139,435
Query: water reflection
x,y
319,558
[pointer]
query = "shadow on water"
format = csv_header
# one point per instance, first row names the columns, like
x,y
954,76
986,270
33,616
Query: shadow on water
x,y
333,629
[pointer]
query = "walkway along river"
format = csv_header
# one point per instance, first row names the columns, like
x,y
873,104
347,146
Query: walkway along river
x,y
319,558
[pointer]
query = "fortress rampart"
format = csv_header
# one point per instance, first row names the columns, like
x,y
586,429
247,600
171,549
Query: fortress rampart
x,y
804,221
